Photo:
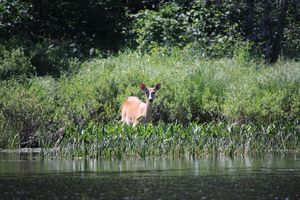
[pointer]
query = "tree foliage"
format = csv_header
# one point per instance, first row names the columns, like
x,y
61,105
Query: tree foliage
x,y
51,32
91,23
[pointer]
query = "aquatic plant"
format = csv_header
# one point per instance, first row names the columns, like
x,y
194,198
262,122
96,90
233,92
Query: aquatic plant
x,y
116,140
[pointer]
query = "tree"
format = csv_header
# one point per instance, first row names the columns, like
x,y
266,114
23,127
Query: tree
x,y
278,35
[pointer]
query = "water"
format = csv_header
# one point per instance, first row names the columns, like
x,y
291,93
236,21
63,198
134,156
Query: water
x,y
23,177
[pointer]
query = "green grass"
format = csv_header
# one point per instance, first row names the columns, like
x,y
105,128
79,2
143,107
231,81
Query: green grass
x,y
198,100
176,141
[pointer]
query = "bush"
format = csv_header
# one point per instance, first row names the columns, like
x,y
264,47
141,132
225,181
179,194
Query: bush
x,y
27,112
213,28
42,59
165,27
210,28
50,59
14,64
89,95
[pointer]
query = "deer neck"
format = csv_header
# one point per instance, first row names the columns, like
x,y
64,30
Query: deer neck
x,y
148,111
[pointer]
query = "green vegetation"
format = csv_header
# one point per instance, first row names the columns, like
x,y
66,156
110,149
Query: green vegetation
x,y
228,69
176,141
203,105
85,28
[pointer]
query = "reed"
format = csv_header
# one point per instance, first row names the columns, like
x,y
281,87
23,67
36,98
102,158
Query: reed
x,y
176,141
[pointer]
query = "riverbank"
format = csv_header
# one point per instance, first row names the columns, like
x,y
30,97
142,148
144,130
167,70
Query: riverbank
x,y
172,141
199,104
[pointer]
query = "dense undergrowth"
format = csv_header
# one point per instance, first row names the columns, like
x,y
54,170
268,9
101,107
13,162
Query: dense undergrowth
x,y
224,105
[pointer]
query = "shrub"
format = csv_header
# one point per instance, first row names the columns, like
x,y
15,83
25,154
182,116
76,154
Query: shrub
x,y
213,28
165,27
265,95
14,64
27,112
50,59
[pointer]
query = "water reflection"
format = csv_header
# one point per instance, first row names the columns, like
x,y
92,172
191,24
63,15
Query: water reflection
x,y
25,177
27,163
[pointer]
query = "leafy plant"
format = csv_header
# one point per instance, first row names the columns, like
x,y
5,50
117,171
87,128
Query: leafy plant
x,y
14,64
194,90
165,27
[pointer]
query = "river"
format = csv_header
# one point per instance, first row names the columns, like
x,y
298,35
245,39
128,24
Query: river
x,y
23,176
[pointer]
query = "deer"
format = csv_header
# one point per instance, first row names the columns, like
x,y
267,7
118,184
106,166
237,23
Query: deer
x,y
134,110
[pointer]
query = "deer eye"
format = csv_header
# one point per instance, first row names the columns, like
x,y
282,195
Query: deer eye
x,y
153,92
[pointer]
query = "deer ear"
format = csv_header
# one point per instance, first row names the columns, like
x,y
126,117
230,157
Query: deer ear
x,y
157,86
142,86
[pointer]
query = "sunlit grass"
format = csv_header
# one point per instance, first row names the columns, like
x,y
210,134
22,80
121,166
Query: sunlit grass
x,y
225,106
177,141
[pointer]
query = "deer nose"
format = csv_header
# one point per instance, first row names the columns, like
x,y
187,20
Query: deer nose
x,y
150,97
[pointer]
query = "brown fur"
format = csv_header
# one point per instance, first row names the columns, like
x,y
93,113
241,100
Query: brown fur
x,y
135,111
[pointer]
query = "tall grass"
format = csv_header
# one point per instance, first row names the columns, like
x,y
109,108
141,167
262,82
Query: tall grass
x,y
176,141
194,90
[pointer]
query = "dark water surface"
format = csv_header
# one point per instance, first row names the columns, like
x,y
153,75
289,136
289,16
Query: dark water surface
x,y
153,178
